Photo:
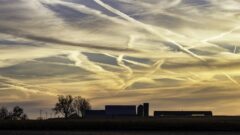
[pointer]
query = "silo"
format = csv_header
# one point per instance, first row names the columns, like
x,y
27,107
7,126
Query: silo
x,y
146,109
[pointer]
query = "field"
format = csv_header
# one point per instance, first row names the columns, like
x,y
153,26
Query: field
x,y
112,133
128,124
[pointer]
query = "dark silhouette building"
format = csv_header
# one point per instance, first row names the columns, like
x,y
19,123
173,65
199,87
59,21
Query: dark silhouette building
x,y
120,110
141,110
183,114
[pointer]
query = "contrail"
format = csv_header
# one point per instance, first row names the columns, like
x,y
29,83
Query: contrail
x,y
51,40
23,87
121,63
129,61
235,49
230,78
91,11
148,28
154,32
69,43
83,62
147,77
53,63
157,66
221,35
132,39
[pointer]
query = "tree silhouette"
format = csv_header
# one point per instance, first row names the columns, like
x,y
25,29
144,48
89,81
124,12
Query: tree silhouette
x,y
3,113
69,106
16,114
81,105
64,106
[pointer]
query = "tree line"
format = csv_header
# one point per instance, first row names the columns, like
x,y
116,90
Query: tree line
x,y
68,106
16,114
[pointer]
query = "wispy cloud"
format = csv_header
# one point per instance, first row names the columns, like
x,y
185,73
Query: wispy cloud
x,y
175,52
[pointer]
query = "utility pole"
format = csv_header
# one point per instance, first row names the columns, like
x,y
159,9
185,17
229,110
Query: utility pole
x,y
40,112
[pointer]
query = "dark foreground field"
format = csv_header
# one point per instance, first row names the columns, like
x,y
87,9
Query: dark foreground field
x,y
113,133
202,124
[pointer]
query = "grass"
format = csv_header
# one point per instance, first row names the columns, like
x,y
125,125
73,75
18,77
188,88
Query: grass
x,y
129,124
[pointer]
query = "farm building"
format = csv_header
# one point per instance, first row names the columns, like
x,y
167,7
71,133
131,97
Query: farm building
x,y
182,113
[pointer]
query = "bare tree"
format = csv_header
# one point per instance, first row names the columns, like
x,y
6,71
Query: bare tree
x,y
64,106
18,114
81,105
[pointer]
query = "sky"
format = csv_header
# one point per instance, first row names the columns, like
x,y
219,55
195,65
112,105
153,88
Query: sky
x,y
174,54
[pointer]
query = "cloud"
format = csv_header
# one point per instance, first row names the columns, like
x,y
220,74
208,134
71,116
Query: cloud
x,y
171,52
